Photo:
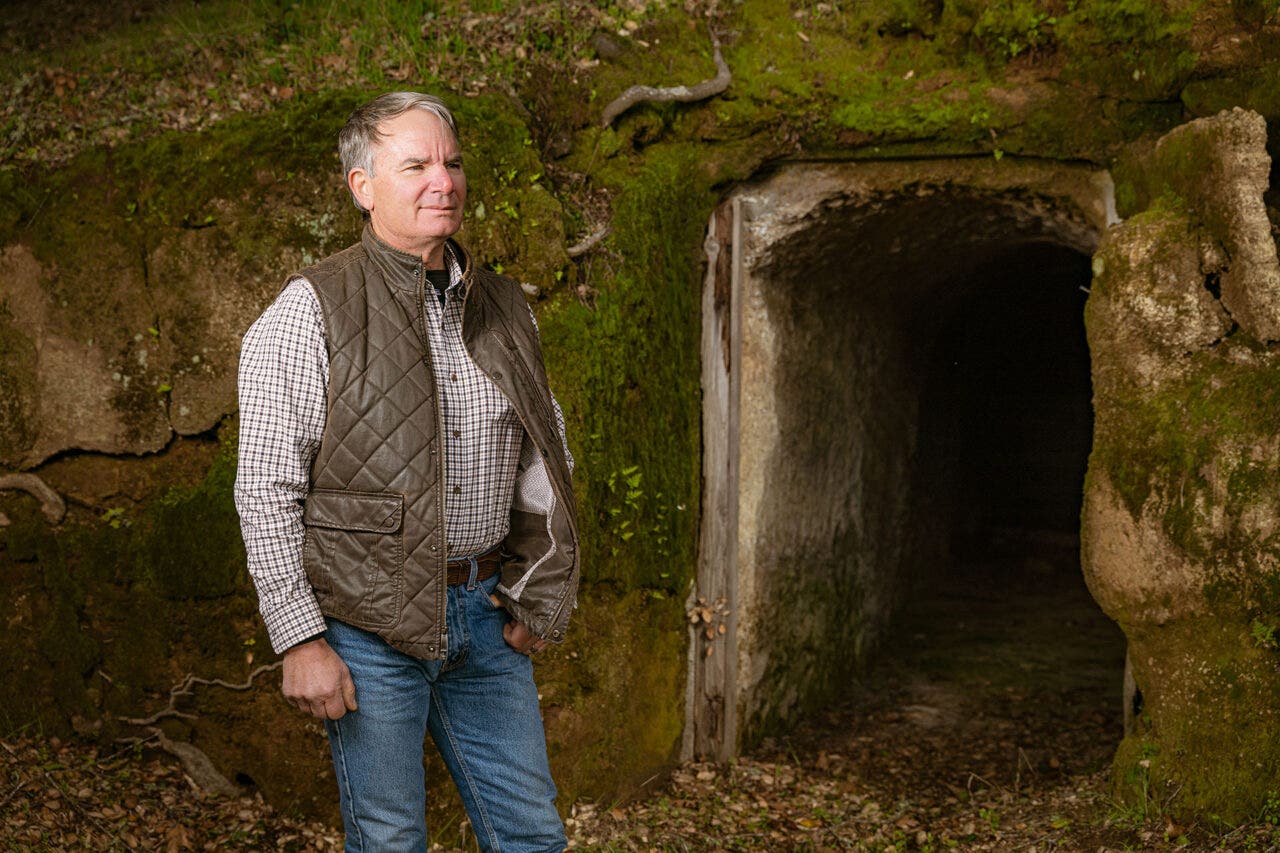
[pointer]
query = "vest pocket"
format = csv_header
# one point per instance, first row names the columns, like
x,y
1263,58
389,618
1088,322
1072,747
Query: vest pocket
x,y
354,554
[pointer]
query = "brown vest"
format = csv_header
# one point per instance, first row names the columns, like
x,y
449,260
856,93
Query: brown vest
x,y
375,541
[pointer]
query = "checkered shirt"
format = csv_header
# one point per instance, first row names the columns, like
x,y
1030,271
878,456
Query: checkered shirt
x,y
284,384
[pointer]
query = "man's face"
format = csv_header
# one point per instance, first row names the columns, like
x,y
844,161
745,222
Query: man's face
x,y
417,191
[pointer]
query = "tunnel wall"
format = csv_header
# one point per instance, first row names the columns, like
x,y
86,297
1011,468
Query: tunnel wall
x,y
845,273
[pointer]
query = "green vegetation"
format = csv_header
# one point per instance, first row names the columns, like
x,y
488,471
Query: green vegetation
x,y
219,119
1205,744
1162,446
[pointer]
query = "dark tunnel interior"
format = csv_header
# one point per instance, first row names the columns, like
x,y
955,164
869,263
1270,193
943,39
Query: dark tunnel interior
x,y
915,429
1006,417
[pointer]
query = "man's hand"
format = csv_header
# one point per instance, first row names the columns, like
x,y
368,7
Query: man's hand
x,y
518,635
317,681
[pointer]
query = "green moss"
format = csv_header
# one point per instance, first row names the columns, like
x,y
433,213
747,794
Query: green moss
x,y
1159,445
1137,49
1205,744
50,655
614,697
513,222
184,180
1257,89
633,407
190,541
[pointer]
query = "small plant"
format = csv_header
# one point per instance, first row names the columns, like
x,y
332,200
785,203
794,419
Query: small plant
x,y
115,517
1264,634
625,484
1015,28
1270,813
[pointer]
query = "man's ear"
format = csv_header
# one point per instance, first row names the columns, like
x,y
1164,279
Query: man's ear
x,y
358,181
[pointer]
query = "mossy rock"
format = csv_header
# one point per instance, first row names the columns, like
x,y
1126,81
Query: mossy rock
x,y
190,543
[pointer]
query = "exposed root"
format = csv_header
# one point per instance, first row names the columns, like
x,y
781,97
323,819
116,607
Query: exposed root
x,y
685,94
198,766
183,688
194,761
51,503
579,249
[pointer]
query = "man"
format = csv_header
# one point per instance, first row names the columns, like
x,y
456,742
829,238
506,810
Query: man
x,y
405,497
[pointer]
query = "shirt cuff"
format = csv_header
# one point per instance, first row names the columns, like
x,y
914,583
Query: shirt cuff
x,y
319,636
293,622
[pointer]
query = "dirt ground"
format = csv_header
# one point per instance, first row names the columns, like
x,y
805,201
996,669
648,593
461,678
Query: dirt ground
x,y
987,724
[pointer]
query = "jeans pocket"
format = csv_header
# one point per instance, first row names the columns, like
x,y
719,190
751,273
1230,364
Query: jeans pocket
x,y
485,589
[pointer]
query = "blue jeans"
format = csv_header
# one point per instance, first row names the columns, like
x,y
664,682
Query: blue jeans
x,y
480,706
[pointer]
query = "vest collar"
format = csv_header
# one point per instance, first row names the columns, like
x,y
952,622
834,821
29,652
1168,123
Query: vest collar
x,y
401,268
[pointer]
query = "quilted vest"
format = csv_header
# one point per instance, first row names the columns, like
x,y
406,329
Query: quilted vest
x,y
374,549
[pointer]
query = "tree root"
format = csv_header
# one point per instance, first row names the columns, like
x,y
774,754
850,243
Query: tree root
x,y
685,94
183,688
196,764
579,249
51,503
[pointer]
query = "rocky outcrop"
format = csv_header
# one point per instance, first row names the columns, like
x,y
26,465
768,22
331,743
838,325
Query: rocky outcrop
x,y
119,357
1181,510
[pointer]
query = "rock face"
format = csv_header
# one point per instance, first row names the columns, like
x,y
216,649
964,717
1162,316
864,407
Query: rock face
x,y
120,368
1181,507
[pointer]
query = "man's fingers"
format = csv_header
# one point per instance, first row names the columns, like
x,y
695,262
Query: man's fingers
x,y
520,638
335,708
349,693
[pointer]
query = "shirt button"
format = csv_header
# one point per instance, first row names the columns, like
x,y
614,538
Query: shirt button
x,y
457,490
457,433
453,376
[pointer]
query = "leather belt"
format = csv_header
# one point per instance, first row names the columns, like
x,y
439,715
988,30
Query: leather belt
x,y
487,565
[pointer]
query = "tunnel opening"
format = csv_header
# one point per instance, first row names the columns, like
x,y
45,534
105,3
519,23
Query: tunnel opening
x,y
897,406
1006,414
999,658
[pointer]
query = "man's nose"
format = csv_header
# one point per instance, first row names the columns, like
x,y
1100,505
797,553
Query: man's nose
x,y
441,180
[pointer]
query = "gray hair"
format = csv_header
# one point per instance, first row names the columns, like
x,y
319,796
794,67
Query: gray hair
x,y
360,133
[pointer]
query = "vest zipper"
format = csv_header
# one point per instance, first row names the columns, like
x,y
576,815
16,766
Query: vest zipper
x,y
550,480
442,616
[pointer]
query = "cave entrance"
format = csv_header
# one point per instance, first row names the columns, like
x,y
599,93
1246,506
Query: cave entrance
x,y
895,378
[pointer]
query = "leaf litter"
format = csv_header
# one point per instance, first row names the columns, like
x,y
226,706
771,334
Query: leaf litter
x,y
988,724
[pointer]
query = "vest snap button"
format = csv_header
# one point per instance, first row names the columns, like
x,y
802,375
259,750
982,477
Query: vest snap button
x,y
497,375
